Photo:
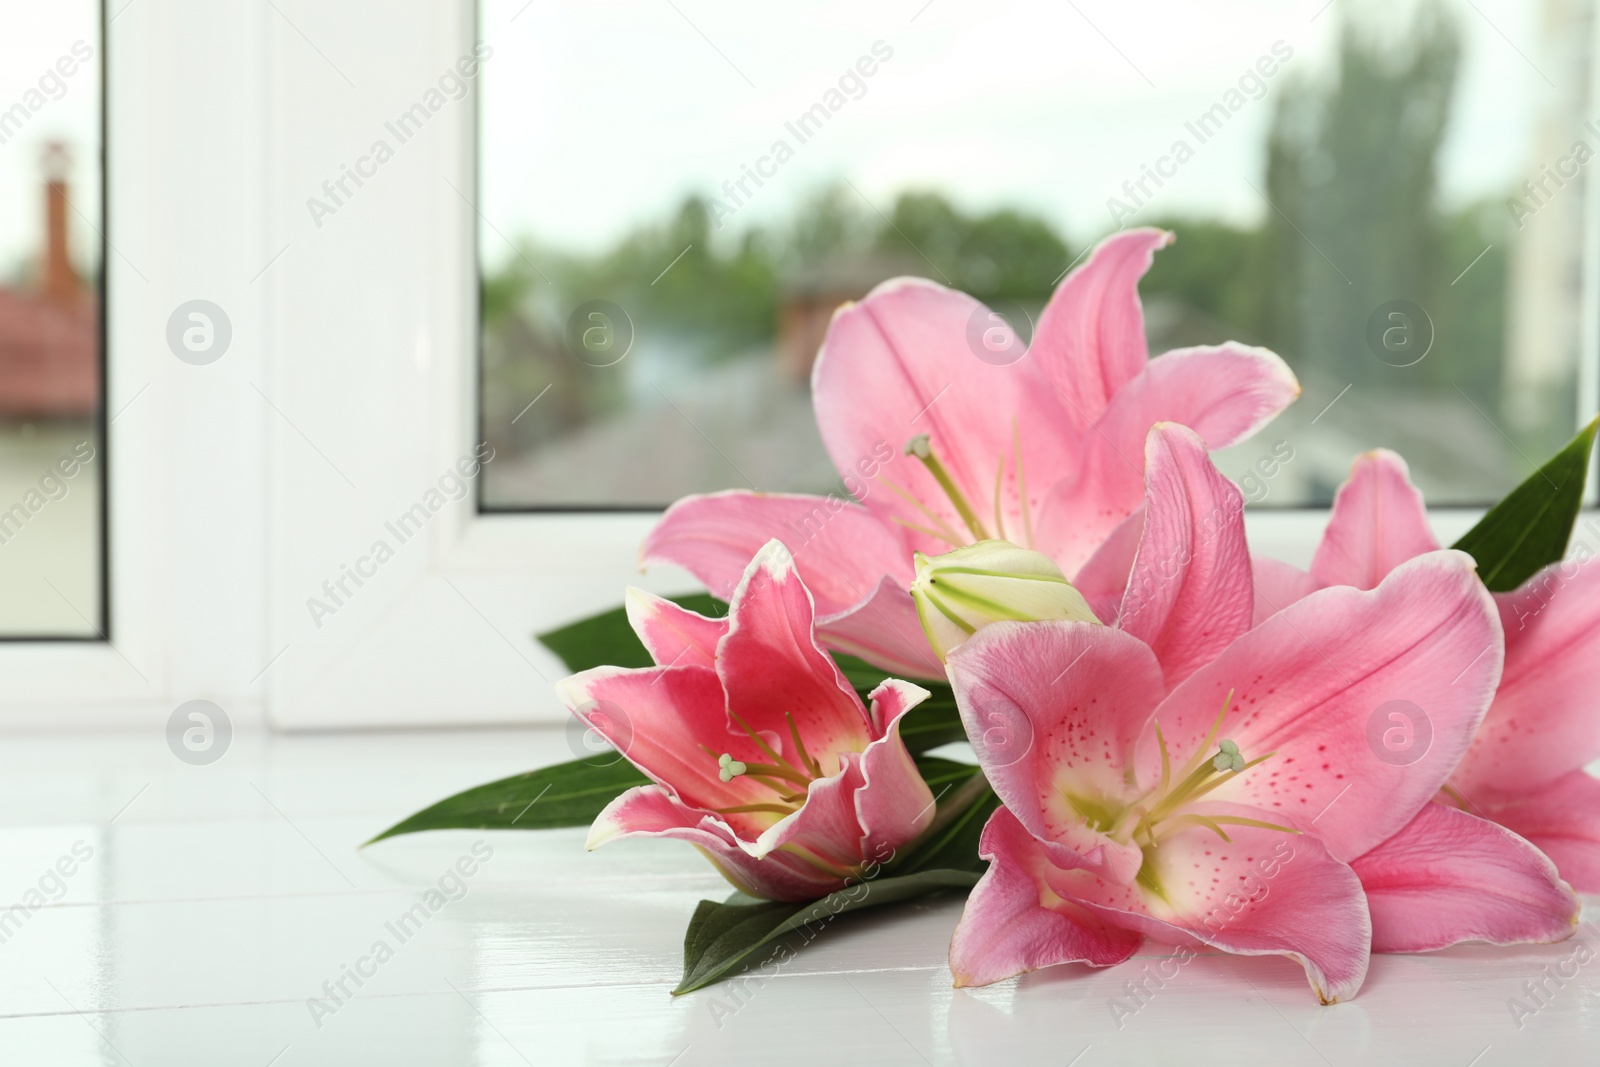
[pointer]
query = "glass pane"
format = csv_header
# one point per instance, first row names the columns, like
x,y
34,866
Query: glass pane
x,y
52,456
674,199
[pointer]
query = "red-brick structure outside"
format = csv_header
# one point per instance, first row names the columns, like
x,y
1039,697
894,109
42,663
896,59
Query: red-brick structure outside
x,y
50,327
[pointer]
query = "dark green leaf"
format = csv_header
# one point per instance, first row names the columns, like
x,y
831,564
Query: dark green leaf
x,y
1530,528
568,794
931,724
724,937
955,845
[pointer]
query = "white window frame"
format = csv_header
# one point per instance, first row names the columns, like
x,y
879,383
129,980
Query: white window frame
x,y
183,455
236,489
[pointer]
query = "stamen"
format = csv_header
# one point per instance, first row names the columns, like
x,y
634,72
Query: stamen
x,y
761,743
999,476
935,534
1022,486
920,448
1166,763
1184,791
800,746
1190,818
1147,826
1205,771
947,535
741,809
1215,823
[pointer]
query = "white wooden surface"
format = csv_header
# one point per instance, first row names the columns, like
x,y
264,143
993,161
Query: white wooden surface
x,y
221,898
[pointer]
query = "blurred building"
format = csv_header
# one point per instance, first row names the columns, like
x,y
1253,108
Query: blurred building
x,y
49,325
812,294
1544,323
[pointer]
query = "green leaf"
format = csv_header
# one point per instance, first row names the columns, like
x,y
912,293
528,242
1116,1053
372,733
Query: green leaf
x,y
568,794
606,639
931,724
1530,528
724,937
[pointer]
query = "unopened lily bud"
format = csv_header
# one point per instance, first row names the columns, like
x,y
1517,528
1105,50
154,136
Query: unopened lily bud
x,y
961,591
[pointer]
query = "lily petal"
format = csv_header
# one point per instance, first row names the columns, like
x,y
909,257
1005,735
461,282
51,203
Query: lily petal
x,y
891,699
1090,341
652,811
669,722
1014,923
1104,578
1265,893
875,805
1449,876
672,635
1378,522
1223,393
883,630
1055,711
903,363
1562,819
1316,686
1189,594
841,550
1545,721
776,674
823,828
894,804
1277,585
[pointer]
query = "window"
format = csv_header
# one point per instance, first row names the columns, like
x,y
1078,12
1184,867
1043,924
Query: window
x,y
536,270
1392,197
52,450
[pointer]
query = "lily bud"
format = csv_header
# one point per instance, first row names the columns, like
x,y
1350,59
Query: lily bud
x,y
961,591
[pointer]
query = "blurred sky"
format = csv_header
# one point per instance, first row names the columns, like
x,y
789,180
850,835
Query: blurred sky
x,y
36,34
599,114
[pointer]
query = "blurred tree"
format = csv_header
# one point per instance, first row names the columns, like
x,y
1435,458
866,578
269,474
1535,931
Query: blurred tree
x,y
1354,220
1216,270
1002,255
1471,321
674,278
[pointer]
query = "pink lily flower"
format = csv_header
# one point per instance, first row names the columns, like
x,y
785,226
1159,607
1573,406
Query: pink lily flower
x,y
946,433
1525,769
761,754
1186,777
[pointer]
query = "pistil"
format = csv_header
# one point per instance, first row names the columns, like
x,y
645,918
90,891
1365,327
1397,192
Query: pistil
x,y
729,768
1208,769
790,783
